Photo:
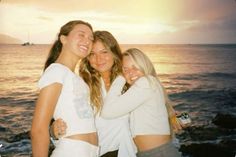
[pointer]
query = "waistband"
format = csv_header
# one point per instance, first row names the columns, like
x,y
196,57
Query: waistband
x,y
71,147
168,150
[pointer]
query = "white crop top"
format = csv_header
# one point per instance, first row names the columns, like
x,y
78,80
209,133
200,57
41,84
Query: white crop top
x,y
145,103
73,104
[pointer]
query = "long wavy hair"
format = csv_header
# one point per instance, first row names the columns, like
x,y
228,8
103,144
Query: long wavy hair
x,y
92,77
144,64
56,48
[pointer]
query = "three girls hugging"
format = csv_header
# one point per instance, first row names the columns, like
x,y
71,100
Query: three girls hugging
x,y
112,105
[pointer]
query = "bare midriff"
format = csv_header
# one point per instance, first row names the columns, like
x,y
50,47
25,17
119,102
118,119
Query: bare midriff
x,y
91,138
147,142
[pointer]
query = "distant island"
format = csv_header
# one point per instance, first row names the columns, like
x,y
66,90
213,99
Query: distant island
x,y
6,39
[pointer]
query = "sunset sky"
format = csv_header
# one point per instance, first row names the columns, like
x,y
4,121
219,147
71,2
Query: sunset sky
x,y
130,21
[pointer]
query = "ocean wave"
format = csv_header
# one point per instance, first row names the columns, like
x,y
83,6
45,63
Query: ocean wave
x,y
20,148
190,63
229,93
9,101
14,78
223,97
220,75
202,76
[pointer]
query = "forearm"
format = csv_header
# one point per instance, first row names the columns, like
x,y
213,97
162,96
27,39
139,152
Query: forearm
x,y
40,143
117,104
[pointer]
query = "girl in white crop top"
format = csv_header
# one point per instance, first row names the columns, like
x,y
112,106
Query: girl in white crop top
x,y
64,94
144,98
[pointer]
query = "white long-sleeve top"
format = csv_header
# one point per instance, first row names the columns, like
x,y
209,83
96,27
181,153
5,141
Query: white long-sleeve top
x,y
144,101
115,134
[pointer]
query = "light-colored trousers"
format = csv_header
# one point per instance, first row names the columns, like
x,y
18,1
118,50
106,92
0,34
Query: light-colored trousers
x,y
66,147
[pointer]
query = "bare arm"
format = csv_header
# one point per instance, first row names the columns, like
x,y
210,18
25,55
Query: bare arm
x,y
42,116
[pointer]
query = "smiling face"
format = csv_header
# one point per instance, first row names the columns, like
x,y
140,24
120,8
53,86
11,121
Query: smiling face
x,y
79,40
130,71
101,58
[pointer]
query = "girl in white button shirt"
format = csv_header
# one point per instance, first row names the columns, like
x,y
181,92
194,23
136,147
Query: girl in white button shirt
x,y
144,98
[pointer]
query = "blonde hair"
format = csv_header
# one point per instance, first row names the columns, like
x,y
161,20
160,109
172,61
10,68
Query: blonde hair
x,y
144,64
92,76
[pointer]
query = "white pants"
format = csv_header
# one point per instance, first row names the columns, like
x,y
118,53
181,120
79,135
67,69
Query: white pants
x,y
66,147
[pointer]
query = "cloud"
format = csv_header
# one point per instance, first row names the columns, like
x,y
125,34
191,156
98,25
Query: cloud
x,y
205,10
128,20
45,18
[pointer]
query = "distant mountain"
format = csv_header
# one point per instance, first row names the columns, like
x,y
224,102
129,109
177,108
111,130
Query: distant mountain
x,y
6,39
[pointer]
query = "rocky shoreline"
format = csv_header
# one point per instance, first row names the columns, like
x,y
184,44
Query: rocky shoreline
x,y
224,126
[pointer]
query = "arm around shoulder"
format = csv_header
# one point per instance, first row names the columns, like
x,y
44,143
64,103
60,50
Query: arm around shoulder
x,y
116,105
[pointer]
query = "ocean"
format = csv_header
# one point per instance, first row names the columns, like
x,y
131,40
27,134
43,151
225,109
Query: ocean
x,y
200,80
